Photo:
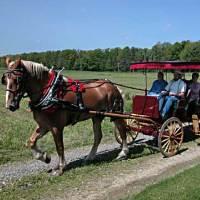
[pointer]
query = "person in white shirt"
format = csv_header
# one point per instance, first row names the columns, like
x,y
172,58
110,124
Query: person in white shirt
x,y
173,92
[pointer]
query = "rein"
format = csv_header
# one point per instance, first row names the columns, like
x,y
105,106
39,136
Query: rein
x,y
118,84
126,86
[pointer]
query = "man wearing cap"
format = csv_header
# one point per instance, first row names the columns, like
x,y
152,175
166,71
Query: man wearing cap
x,y
173,92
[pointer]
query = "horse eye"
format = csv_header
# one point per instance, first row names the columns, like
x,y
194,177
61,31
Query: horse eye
x,y
9,75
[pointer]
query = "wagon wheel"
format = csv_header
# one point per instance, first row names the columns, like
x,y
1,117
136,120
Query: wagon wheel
x,y
170,137
131,135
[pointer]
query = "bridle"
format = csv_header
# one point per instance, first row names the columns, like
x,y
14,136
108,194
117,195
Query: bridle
x,y
19,76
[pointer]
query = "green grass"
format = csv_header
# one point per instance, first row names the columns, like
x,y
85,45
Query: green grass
x,y
184,186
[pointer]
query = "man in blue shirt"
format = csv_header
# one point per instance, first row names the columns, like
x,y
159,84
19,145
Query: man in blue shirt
x,y
158,85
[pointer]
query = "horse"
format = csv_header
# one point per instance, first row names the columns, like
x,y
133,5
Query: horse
x,y
35,80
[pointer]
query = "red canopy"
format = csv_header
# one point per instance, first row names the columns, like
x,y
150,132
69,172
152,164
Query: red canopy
x,y
167,65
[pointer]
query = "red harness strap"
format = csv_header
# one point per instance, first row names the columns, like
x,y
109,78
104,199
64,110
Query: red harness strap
x,y
76,85
52,76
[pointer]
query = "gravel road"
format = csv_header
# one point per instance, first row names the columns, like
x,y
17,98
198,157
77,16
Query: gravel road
x,y
16,170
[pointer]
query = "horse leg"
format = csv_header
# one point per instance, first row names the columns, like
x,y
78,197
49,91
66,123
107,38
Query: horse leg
x,y
58,139
97,137
32,143
121,125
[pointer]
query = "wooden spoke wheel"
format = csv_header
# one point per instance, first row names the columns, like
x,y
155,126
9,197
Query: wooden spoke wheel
x,y
170,137
131,135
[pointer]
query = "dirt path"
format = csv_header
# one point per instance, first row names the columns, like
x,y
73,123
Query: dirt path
x,y
145,171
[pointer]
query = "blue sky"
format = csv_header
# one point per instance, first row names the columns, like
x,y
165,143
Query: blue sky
x,y
41,25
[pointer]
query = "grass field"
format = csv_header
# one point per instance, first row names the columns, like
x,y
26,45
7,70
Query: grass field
x,y
184,186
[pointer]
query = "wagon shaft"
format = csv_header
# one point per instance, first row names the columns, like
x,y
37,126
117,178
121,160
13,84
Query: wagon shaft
x,y
122,115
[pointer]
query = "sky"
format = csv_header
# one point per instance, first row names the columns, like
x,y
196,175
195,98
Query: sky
x,y
43,25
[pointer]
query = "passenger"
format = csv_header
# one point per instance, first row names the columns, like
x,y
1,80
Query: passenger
x,y
193,94
173,92
158,85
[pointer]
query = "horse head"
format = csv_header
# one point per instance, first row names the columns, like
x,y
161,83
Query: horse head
x,y
14,79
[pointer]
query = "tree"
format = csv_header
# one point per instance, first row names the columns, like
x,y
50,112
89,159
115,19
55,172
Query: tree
x,y
113,59
191,52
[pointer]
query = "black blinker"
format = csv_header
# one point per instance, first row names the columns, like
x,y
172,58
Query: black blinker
x,y
3,80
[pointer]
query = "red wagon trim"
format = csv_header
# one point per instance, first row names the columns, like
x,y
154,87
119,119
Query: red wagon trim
x,y
165,65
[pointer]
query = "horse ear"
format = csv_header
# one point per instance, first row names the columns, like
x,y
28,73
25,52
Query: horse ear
x,y
8,60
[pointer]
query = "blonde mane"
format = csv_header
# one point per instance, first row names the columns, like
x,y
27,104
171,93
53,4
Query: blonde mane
x,y
37,70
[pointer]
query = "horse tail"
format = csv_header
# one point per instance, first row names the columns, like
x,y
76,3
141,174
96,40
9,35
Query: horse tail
x,y
121,92
118,98
117,104
121,100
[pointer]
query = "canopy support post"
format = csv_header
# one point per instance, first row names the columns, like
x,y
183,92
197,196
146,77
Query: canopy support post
x,y
145,72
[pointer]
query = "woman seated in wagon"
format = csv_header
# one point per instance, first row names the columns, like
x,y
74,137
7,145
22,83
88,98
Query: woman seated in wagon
x,y
158,85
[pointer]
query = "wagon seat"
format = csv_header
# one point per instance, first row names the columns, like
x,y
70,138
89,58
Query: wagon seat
x,y
146,105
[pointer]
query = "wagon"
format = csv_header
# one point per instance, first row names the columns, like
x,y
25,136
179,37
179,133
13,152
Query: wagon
x,y
145,117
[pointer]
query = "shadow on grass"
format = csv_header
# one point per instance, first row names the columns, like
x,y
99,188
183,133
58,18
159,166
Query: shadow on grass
x,y
135,151
182,150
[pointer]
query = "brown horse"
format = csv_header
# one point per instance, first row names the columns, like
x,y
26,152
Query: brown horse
x,y
34,79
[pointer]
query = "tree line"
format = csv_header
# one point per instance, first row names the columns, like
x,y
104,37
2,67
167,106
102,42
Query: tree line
x,y
113,59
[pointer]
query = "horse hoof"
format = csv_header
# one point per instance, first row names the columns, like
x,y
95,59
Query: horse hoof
x,y
121,157
57,172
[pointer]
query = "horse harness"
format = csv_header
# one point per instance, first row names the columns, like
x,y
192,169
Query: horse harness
x,y
54,92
